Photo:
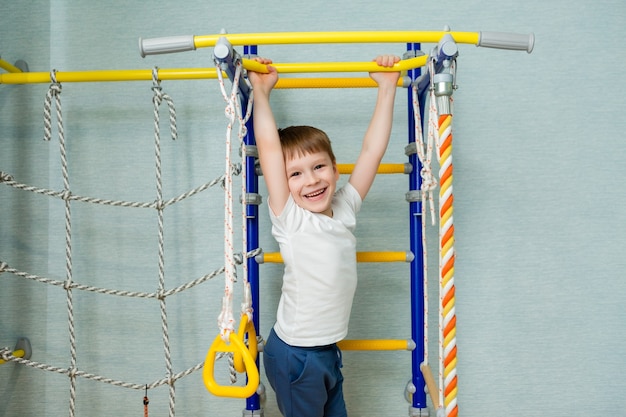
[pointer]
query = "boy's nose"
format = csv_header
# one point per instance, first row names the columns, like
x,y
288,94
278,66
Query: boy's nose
x,y
311,178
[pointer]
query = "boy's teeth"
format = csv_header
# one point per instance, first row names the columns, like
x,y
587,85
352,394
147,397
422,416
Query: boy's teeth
x,y
314,194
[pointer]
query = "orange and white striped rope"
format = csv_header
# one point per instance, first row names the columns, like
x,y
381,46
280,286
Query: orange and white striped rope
x,y
446,266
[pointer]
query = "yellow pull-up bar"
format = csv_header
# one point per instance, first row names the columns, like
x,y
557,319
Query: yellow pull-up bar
x,y
499,40
206,73
295,38
185,43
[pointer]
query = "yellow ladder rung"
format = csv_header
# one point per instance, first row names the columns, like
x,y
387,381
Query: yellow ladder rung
x,y
275,257
376,344
382,168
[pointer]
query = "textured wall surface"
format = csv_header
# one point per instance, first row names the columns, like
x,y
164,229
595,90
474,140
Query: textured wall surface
x,y
539,205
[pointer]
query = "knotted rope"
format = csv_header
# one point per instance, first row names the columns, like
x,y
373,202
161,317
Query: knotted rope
x,y
157,99
54,96
226,320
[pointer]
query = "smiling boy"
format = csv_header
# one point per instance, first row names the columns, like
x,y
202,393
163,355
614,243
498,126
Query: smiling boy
x,y
313,223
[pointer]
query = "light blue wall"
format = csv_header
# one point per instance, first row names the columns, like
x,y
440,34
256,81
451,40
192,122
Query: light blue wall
x,y
539,205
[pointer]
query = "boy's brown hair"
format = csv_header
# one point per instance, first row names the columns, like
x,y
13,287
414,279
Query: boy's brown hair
x,y
304,140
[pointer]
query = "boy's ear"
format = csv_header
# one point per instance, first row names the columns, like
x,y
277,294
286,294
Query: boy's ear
x,y
336,170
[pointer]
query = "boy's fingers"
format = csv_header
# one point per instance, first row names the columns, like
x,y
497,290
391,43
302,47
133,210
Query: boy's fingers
x,y
387,60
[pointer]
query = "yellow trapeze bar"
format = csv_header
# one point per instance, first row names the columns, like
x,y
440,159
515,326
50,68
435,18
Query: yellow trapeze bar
x,y
285,38
329,82
305,67
382,168
376,344
275,257
8,66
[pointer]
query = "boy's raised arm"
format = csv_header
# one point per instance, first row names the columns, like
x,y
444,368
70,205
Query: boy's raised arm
x,y
379,130
267,139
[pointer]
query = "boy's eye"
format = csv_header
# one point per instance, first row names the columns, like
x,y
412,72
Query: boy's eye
x,y
294,174
320,166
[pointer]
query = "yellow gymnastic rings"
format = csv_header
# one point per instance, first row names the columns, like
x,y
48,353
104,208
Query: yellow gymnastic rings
x,y
244,361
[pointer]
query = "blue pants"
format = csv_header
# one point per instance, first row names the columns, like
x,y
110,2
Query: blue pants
x,y
307,380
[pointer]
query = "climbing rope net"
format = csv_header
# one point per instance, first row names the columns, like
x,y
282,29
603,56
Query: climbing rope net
x,y
226,321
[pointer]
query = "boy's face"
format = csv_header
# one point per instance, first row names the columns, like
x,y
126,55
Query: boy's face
x,y
312,181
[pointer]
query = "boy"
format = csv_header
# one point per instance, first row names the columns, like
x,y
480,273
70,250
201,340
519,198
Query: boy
x,y
313,222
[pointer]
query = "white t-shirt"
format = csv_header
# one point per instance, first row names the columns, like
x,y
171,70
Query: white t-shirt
x,y
319,281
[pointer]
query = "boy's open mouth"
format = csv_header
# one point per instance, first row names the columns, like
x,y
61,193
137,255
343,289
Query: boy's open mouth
x,y
316,193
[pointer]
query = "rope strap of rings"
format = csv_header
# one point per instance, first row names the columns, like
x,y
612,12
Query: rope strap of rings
x,y
228,341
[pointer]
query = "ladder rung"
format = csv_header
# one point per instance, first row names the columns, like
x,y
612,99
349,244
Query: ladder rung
x,y
405,168
376,344
275,257
382,168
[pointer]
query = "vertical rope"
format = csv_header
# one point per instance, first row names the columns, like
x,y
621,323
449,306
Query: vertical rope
x,y
226,321
428,184
157,99
54,92
246,305
446,246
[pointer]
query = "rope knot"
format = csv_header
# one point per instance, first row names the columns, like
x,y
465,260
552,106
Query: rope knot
x,y
66,195
5,177
158,94
236,168
428,180
6,354
55,89
159,205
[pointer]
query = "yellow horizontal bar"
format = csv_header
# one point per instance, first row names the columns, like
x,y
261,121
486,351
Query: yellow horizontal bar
x,y
384,257
376,344
108,75
284,38
382,168
8,66
275,257
290,68
19,353
199,73
178,74
352,82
